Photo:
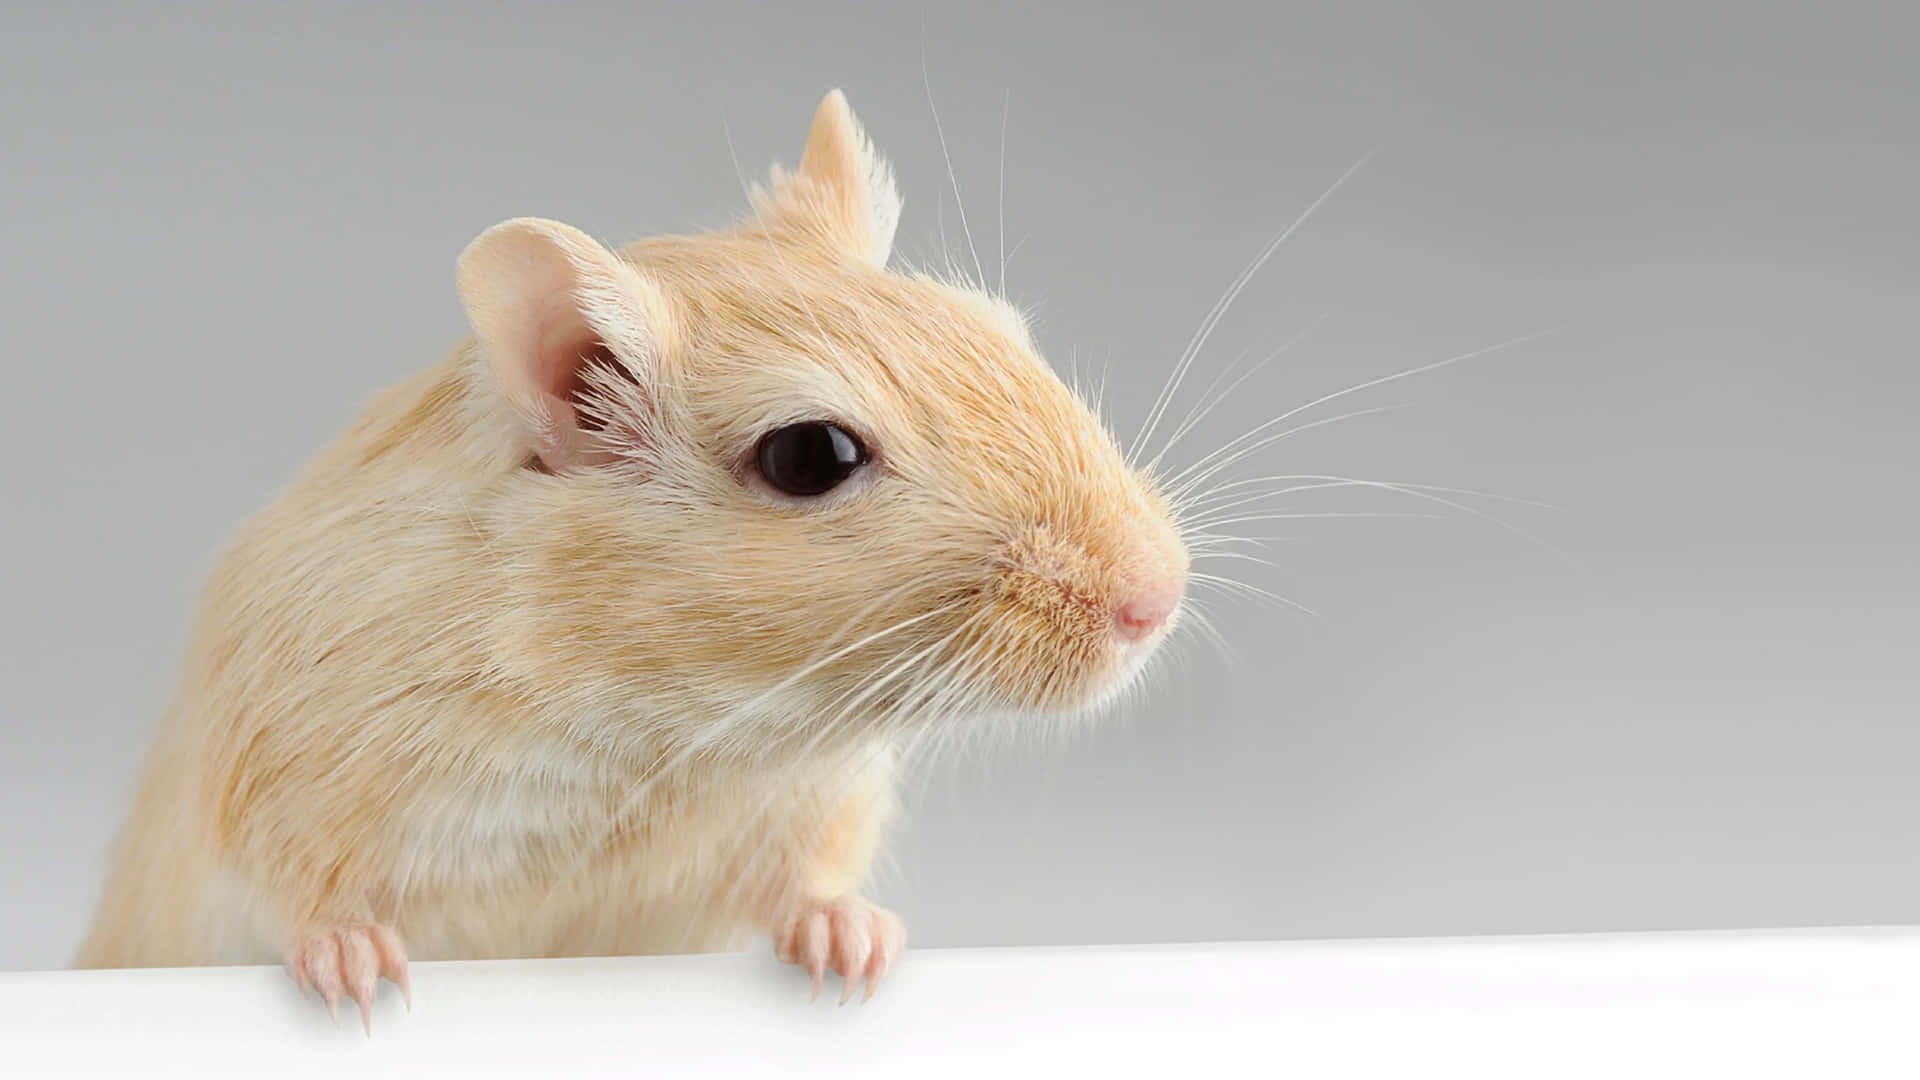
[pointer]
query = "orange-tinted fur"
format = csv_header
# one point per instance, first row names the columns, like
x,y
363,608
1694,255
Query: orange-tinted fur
x,y
514,684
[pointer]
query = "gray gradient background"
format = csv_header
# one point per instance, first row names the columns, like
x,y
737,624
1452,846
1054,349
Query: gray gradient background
x,y
223,230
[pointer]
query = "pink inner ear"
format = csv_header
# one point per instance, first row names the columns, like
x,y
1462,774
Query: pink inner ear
x,y
566,355
562,337
593,354
566,346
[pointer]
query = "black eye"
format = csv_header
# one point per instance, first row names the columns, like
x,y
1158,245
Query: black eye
x,y
809,459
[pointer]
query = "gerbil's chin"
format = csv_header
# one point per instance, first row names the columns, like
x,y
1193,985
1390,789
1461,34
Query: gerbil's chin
x,y
1123,671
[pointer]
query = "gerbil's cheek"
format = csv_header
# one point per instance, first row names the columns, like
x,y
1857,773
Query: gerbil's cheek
x,y
1025,658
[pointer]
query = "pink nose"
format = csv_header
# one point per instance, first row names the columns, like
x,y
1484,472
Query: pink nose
x,y
1146,610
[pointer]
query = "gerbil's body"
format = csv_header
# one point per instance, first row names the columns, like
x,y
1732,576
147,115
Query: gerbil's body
x,y
563,648
379,700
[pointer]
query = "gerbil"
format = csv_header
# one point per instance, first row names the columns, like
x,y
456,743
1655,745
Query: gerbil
x,y
604,635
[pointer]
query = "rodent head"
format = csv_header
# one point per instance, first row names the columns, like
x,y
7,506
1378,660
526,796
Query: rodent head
x,y
761,468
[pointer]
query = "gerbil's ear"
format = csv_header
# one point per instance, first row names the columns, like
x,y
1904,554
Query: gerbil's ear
x,y
843,190
548,303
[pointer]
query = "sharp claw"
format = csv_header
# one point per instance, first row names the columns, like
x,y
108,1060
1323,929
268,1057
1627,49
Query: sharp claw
x,y
360,959
882,960
363,997
333,1008
815,934
391,959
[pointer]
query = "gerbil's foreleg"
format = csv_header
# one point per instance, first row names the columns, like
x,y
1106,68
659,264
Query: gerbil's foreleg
x,y
821,921
309,891
349,959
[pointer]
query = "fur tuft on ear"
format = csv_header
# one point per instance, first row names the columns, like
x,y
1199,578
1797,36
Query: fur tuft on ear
x,y
547,303
843,190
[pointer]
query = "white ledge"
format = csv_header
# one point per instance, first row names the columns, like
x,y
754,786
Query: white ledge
x,y
1805,1003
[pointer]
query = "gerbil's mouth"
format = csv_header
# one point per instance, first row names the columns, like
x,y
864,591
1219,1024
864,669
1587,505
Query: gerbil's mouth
x,y
1034,662
1129,663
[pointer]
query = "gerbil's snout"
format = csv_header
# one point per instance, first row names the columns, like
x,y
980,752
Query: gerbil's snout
x,y
1091,599
1149,575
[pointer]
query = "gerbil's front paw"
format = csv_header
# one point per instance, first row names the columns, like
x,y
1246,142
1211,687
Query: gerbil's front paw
x,y
351,960
854,937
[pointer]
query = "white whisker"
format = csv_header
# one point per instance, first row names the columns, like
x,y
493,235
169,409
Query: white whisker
x,y
954,179
1418,491
1347,481
1011,252
1219,309
1201,413
1289,414
1005,103
1241,555
1231,583
1221,499
1294,517
847,771
1204,622
713,734
1182,482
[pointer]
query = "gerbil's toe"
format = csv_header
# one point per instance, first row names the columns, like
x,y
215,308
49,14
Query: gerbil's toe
x,y
349,961
889,940
852,945
814,940
393,961
853,937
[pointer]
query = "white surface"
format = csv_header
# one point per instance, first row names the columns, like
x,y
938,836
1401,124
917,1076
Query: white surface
x,y
1815,1003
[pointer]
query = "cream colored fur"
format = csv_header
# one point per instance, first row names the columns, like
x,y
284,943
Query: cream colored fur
x,y
528,662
